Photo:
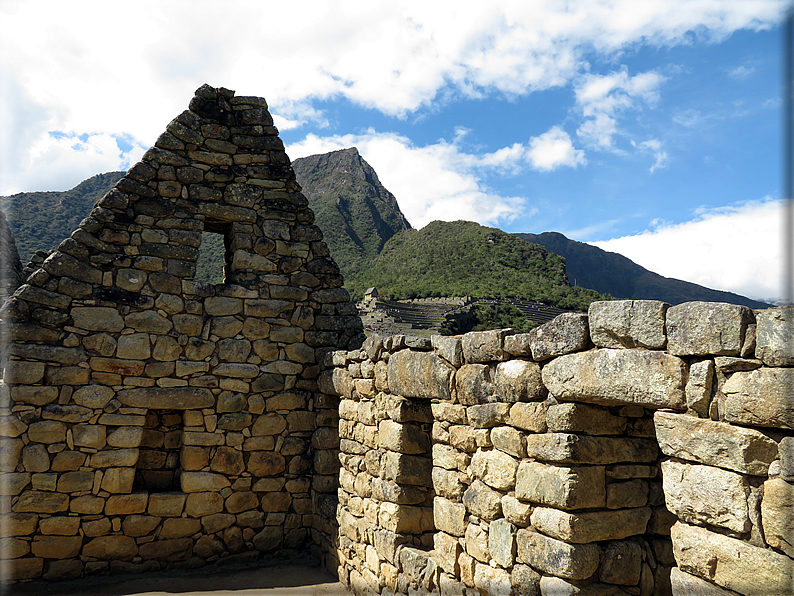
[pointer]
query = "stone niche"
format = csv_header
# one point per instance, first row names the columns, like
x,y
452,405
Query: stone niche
x,y
149,420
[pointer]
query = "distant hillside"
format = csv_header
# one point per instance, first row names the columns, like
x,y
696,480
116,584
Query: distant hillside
x,y
611,273
353,209
40,220
463,258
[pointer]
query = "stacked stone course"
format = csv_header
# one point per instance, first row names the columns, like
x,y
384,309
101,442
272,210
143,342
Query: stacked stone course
x,y
640,449
148,420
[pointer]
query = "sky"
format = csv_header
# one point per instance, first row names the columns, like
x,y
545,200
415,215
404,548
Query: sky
x,y
651,128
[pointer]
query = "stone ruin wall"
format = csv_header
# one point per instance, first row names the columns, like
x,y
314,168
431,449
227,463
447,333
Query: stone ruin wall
x,y
150,421
640,449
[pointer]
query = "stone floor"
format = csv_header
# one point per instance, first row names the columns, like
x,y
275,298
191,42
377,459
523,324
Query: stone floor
x,y
262,578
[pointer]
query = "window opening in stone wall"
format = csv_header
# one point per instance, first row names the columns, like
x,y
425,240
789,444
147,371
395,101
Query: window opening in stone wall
x,y
158,460
212,254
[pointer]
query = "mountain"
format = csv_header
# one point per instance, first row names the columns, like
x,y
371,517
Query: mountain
x,y
353,209
614,274
463,258
41,220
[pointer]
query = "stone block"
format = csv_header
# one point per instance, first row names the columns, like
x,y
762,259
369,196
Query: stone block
x,y
485,346
622,563
707,328
584,418
387,544
74,482
111,547
760,397
89,435
529,416
179,549
139,525
526,581
508,440
23,373
492,581
628,324
591,526
419,375
167,398
476,542
114,458
495,468
515,511
449,516
582,449
34,501
559,486
618,377
448,348
406,469
777,514
448,483
488,415
194,482
565,334
473,385
13,548
483,501
502,542
127,504
698,387
93,396
447,549
35,458
179,527
402,519
706,495
632,493
741,567
518,380
548,555
402,437
97,318
27,568
216,522
56,547
775,336
87,505
264,463
714,443
684,584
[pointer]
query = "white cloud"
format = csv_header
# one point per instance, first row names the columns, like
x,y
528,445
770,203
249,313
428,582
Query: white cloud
x,y
654,148
434,182
553,149
737,248
741,72
602,98
126,68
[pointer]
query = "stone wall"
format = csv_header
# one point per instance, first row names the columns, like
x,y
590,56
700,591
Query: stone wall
x,y
148,420
640,449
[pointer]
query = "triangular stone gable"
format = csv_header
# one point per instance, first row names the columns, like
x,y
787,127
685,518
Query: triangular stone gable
x,y
114,347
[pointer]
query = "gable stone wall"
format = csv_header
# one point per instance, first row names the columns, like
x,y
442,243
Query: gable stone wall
x,y
148,420
640,449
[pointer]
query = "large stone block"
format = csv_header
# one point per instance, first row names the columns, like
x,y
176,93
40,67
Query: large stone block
x,y
56,547
495,468
111,547
775,336
407,469
592,526
568,448
34,501
777,514
402,437
565,334
618,377
584,418
485,346
473,385
492,581
760,397
707,328
563,487
628,324
502,542
548,555
419,374
684,584
483,501
193,482
731,563
518,380
714,443
706,495
404,519
449,516
97,318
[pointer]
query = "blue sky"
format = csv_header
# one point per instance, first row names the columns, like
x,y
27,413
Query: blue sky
x,y
648,128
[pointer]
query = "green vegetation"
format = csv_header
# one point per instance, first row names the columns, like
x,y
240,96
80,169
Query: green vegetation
x,y
41,220
483,318
463,258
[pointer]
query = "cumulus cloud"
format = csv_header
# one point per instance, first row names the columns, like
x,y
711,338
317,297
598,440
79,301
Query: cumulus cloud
x,y
553,149
78,75
711,249
653,147
602,98
434,182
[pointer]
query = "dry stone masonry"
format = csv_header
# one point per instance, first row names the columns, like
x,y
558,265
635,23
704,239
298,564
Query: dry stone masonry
x,y
640,449
148,420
